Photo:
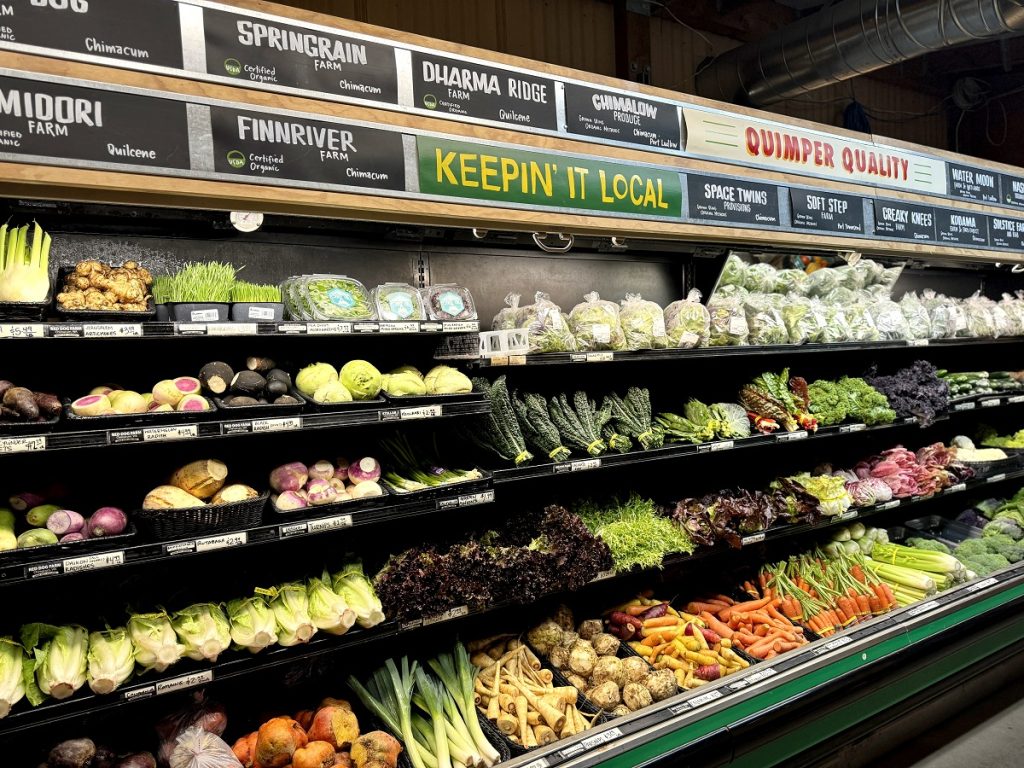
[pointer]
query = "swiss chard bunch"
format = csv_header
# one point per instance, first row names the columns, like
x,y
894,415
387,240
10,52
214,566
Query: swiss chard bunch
x,y
776,400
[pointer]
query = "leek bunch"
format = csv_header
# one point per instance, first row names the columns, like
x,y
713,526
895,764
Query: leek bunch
x,y
24,271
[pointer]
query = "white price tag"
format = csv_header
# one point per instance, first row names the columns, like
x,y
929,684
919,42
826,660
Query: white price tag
x,y
540,762
978,586
755,538
221,542
232,329
22,331
852,428
760,675
923,608
602,575
602,333
291,328
601,738
557,323
93,562
423,412
144,692
473,499
580,465
335,523
292,529
176,432
203,315
277,425
970,406
365,327
722,445
917,342
328,329
849,514
399,327
464,326
113,330
517,359
600,357
190,329
707,698
831,645
413,624
260,313
184,682
658,326
990,403
688,339
996,478
23,444
957,488
789,437
1015,399
888,505
571,751
451,613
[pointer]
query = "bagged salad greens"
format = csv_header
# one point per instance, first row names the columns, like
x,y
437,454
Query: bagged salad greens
x,y
821,282
760,278
860,322
595,324
979,319
793,282
1014,309
837,326
733,272
547,327
764,322
1002,322
805,320
643,323
448,301
687,322
943,313
889,320
728,323
919,324
398,302
505,320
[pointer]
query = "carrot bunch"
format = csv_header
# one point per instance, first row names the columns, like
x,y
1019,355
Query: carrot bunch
x,y
825,595
757,626
680,641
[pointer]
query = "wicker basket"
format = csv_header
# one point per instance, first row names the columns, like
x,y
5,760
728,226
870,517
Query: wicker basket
x,y
164,524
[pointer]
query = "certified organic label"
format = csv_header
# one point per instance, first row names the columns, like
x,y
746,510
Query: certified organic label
x,y
93,562
268,145
22,444
112,330
65,122
221,542
904,221
184,682
628,117
275,53
732,201
472,89
141,31
176,432
451,613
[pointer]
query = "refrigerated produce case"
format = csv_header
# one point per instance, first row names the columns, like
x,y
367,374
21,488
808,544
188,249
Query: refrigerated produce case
x,y
781,710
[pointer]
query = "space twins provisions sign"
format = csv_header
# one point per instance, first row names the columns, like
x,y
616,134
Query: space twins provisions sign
x,y
62,121
274,53
276,146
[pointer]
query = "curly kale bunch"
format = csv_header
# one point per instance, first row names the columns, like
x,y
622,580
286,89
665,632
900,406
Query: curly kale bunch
x,y
913,391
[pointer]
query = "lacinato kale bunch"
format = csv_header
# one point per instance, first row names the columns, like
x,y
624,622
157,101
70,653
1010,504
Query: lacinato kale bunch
x,y
913,391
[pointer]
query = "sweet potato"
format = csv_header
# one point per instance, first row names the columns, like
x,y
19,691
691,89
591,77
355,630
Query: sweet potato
x,y
245,750
277,740
316,754
337,726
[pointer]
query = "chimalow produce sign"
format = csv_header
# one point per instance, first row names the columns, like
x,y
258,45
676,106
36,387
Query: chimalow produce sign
x,y
217,42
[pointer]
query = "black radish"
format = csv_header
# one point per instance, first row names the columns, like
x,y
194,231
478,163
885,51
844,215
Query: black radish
x,y
248,383
216,377
260,364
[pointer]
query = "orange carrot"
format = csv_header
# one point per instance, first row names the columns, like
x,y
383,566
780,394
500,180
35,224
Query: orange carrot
x,y
751,605
697,607
635,610
724,599
661,621
715,625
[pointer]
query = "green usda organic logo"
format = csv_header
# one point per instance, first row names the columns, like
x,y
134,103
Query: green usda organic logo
x,y
233,67
236,159
430,101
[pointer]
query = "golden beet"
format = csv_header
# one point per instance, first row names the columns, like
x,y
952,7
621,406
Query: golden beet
x,y
278,739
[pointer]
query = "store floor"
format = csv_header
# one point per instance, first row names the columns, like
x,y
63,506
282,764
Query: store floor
x,y
991,735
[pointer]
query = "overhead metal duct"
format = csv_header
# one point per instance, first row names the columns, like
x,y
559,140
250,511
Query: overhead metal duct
x,y
850,38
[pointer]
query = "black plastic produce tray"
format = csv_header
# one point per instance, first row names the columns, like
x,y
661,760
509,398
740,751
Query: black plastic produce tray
x,y
70,548
28,427
108,315
336,507
983,469
480,483
351,405
164,524
260,409
30,311
416,400
150,418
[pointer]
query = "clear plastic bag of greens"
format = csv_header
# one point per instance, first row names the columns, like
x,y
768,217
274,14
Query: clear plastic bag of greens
x,y
595,324
1002,322
733,272
861,323
853,277
792,282
643,323
737,292
842,295
448,302
760,278
889,320
942,312
1014,309
547,328
764,321
889,277
687,322
505,320
919,324
821,282
980,324
728,323
874,271
804,319
836,326
398,302
336,297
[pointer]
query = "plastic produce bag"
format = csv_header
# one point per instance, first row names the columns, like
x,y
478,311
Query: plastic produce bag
x,y
760,278
728,323
398,302
764,322
197,748
1002,322
505,320
448,301
980,324
889,277
821,282
919,324
734,272
1014,309
805,320
792,282
547,327
643,323
595,324
943,313
889,320
737,292
687,322
853,276
861,323
200,714
836,327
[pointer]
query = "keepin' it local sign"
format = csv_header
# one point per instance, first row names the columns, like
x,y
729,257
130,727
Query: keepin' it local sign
x,y
787,149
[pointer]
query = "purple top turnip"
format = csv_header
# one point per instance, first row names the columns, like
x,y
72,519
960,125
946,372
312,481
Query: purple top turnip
x,y
366,470
341,469
107,521
322,470
290,500
321,492
289,477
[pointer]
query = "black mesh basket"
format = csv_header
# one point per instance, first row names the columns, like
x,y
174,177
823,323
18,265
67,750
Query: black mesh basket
x,y
164,524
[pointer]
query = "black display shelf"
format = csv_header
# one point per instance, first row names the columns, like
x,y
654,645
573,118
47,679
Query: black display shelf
x,y
99,438
649,355
162,330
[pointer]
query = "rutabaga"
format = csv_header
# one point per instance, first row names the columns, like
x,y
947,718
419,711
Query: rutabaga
x,y
290,604
327,609
111,659
253,625
156,645
351,583
60,662
12,685
204,630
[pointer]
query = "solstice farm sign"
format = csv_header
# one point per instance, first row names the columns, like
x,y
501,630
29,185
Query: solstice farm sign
x,y
783,148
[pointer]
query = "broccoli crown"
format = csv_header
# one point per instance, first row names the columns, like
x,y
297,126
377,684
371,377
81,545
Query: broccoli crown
x,y
1010,512
1001,544
970,548
928,544
1003,526
985,563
